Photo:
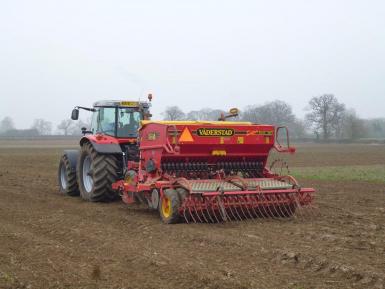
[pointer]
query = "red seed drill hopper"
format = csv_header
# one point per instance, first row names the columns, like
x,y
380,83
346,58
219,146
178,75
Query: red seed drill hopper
x,y
211,171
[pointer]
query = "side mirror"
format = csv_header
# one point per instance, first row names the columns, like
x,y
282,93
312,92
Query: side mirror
x,y
75,114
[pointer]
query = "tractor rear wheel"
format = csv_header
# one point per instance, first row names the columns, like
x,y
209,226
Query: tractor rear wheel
x,y
96,173
67,178
169,207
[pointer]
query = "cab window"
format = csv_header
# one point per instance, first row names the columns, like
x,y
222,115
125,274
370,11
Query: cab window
x,y
128,122
103,121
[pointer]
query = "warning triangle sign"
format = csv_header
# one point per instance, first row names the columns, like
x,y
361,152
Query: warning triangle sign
x,y
186,136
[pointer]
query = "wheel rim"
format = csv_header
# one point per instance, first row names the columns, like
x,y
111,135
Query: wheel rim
x,y
63,177
166,207
88,182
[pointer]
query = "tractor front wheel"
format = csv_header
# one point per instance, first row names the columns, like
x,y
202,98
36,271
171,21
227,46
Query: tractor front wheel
x,y
67,178
169,207
96,173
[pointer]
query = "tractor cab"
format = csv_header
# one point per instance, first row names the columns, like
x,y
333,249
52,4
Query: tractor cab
x,y
119,119
115,118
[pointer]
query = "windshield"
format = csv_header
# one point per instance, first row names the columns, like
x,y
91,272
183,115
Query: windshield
x,y
119,122
128,122
104,120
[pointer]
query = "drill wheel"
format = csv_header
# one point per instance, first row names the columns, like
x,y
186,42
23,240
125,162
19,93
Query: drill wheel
x,y
169,207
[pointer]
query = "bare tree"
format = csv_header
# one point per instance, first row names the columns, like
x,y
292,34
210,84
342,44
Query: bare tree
x,y
326,115
42,126
276,112
76,128
173,113
65,125
204,114
376,127
6,124
353,126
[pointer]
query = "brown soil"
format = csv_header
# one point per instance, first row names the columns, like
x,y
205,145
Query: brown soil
x,y
52,241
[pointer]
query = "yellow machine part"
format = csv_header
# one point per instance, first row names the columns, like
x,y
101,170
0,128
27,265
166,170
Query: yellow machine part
x,y
197,122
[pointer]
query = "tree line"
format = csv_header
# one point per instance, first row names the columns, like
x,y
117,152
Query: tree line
x,y
326,119
41,127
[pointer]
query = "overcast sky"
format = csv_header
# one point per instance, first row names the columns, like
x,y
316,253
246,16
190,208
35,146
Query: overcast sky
x,y
193,54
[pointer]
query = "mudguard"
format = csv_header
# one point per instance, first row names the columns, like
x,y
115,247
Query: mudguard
x,y
111,148
72,156
106,145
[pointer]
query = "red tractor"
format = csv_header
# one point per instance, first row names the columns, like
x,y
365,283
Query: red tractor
x,y
199,171
104,151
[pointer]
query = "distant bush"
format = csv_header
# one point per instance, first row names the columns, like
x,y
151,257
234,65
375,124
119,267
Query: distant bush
x,y
20,133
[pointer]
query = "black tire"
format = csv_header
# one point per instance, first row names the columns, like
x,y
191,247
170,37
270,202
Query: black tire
x,y
67,178
102,173
183,193
169,207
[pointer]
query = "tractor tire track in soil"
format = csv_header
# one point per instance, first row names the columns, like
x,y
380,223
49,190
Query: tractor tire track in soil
x,y
48,240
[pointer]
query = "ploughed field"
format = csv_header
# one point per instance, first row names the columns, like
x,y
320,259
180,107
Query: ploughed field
x,y
49,240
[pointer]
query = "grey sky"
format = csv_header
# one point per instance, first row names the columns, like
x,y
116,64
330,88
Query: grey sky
x,y
58,54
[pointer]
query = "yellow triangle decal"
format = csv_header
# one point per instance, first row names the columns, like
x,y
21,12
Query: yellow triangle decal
x,y
186,136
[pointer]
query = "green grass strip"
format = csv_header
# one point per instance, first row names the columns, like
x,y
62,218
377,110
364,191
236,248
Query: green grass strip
x,y
367,173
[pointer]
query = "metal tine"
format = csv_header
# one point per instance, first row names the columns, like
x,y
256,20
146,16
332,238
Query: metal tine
x,y
286,206
291,197
267,206
314,210
260,206
299,209
277,207
222,211
246,206
280,209
247,201
264,213
207,209
250,199
236,208
218,212
231,209
191,214
213,210
293,206
226,201
274,207
254,205
196,212
203,213
239,200
280,204
186,205
184,215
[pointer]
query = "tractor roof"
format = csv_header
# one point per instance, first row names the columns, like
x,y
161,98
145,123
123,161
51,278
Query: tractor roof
x,y
121,103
